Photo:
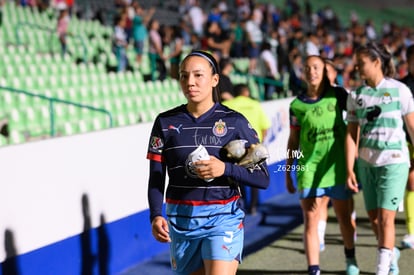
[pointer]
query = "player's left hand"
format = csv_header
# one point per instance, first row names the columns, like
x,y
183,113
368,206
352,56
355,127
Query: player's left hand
x,y
212,168
352,183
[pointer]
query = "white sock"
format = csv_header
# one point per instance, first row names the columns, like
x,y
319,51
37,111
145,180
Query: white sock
x,y
321,231
384,258
353,215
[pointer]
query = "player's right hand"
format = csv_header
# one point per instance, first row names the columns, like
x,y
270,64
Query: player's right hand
x,y
160,229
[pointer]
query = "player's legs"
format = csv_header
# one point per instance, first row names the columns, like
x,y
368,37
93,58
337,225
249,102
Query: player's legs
x,y
311,214
383,193
222,252
340,197
322,222
391,184
351,205
218,267
344,218
408,240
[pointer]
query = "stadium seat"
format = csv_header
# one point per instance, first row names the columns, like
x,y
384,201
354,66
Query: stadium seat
x,y
17,120
84,126
99,123
69,128
17,137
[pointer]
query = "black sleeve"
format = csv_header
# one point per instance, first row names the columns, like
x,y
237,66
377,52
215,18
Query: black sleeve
x,y
341,97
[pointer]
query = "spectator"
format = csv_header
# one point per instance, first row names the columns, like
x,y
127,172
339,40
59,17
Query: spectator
x,y
62,29
156,51
195,41
267,71
70,4
297,83
312,45
225,85
217,41
253,111
2,2
120,43
197,18
370,30
139,29
175,43
282,53
185,32
214,14
238,47
254,37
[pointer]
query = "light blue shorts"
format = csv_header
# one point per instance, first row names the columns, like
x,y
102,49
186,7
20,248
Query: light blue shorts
x,y
187,255
338,192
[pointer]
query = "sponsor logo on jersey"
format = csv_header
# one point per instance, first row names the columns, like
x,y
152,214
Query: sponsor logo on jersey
x,y
175,128
220,128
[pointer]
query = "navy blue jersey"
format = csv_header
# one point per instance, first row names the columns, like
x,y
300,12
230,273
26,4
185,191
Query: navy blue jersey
x,y
175,134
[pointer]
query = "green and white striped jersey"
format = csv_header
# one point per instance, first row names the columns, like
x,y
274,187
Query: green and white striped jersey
x,y
379,112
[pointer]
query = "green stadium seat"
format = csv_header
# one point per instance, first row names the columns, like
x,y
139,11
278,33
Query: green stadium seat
x,y
84,126
17,120
68,128
32,117
121,120
17,137
99,123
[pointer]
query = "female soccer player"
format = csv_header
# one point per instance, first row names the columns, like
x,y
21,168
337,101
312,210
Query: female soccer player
x,y
376,113
204,221
318,131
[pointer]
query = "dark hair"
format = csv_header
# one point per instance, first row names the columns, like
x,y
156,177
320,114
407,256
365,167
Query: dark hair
x,y
410,51
214,67
208,57
326,83
224,61
379,51
239,88
266,46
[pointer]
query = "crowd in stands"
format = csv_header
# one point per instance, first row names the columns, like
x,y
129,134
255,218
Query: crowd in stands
x,y
275,39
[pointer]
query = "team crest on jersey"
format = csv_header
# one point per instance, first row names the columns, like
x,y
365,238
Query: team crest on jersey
x,y
386,98
220,128
156,143
331,107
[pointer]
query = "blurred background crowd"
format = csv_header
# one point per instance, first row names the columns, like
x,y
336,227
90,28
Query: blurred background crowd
x,y
123,55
